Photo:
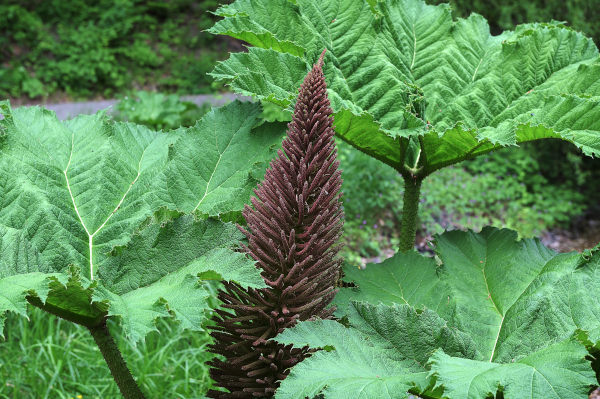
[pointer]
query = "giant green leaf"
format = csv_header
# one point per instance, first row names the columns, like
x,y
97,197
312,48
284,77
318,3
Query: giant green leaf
x,y
522,308
92,219
556,372
382,355
389,284
398,69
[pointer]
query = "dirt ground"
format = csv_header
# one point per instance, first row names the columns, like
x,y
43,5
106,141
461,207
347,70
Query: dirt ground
x,y
584,234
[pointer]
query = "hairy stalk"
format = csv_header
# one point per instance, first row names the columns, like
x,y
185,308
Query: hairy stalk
x,y
118,368
408,230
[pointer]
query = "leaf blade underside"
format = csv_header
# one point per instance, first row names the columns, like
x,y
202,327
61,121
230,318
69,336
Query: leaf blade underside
x,y
408,69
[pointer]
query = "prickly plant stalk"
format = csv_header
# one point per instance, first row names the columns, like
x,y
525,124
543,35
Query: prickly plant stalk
x,y
292,232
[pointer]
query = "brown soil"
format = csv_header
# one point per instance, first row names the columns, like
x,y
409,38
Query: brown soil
x,y
584,234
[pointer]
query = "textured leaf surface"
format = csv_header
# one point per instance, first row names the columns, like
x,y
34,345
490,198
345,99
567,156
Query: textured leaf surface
x,y
14,289
401,68
162,265
556,372
90,199
389,283
383,355
517,303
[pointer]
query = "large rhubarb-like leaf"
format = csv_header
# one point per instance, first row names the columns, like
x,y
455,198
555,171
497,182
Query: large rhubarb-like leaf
x,y
91,220
382,355
398,69
556,371
519,308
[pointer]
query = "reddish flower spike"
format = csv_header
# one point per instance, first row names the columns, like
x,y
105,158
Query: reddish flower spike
x,y
292,231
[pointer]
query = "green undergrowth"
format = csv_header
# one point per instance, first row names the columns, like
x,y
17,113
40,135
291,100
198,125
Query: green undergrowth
x,y
49,358
582,15
506,188
84,48
159,111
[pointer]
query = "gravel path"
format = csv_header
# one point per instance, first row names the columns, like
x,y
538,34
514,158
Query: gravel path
x,y
70,110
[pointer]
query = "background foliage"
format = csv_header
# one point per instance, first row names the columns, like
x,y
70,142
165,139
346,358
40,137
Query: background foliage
x,y
88,48
582,15
160,111
516,189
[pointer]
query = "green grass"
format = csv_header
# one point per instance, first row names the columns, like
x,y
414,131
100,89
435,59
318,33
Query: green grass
x,y
47,358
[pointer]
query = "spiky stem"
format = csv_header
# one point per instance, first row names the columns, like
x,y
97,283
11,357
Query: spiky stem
x,y
116,364
410,210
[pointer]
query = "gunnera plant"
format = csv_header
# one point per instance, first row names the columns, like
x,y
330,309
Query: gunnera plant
x,y
292,232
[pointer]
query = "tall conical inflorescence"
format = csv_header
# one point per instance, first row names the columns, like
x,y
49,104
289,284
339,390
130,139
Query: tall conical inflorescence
x,y
292,232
